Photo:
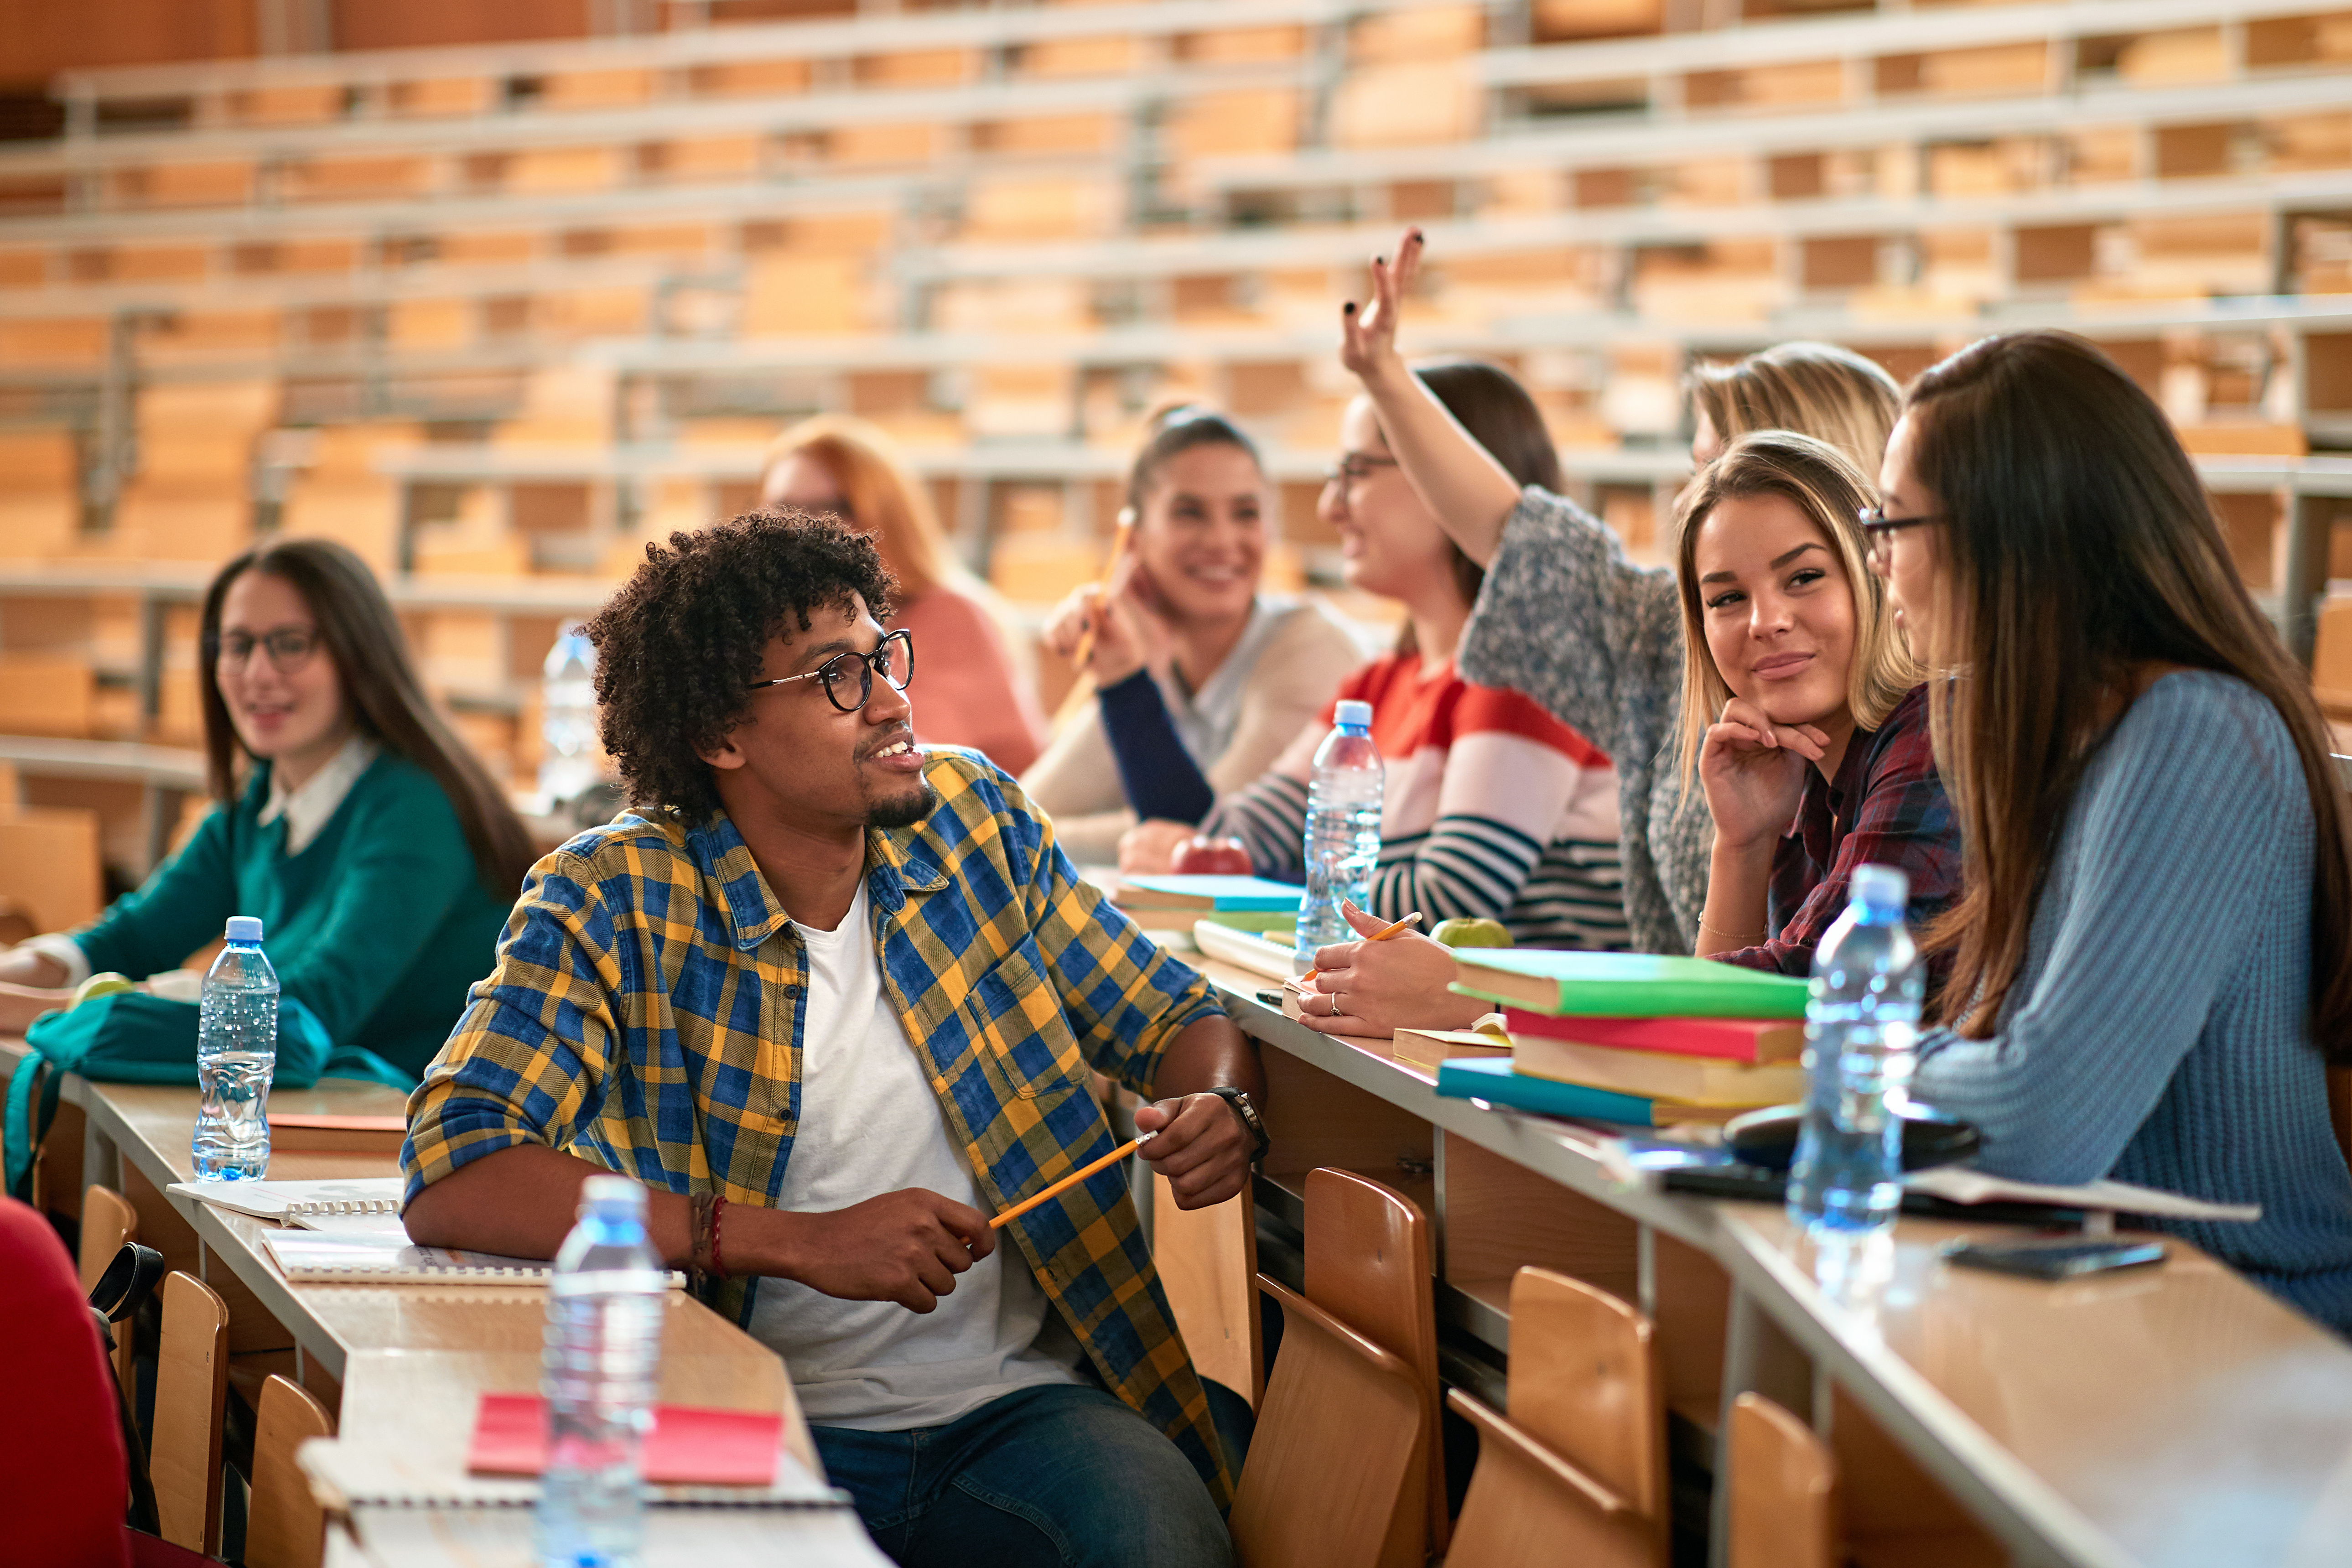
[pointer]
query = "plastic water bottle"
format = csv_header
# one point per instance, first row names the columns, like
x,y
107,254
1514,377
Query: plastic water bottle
x,y
236,1052
1343,831
598,1374
567,750
1861,1029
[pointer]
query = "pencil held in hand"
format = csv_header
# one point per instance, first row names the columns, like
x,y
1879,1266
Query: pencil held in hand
x,y
1102,588
1307,981
1067,1183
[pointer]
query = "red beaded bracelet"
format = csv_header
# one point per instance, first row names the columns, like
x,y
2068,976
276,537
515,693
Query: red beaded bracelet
x,y
718,1258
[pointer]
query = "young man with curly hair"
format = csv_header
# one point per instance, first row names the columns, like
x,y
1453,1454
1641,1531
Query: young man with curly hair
x,y
835,1000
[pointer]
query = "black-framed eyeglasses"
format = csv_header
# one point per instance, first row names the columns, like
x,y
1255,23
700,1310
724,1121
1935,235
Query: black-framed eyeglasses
x,y
289,648
1355,469
893,660
1879,528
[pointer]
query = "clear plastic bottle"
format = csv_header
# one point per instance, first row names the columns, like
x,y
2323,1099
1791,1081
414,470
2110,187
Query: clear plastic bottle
x,y
1343,831
236,1052
1861,1029
567,751
602,1365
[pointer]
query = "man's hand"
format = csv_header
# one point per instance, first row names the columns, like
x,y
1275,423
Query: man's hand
x,y
1201,1149
904,1247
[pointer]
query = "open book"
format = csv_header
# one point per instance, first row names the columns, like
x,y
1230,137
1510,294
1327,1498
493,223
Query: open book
x,y
368,1205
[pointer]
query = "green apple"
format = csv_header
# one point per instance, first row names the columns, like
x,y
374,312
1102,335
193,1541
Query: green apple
x,y
104,983
1472,933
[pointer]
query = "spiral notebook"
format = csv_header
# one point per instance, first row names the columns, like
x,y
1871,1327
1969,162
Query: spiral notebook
x,y
346,1257
368,1205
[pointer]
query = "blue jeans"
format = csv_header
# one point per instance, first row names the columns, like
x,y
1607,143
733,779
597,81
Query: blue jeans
x,y
1057,1477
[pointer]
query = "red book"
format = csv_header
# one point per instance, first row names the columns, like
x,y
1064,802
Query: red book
x,y
688,1446
1751,1040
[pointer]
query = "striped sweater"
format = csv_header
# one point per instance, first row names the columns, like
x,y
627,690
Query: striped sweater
x,y
2159,1029
1493,808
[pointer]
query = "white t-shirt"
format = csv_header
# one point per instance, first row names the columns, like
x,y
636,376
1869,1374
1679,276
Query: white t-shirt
x,y
870,1125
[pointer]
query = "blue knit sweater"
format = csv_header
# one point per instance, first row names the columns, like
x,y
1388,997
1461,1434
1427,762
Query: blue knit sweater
x,y
2159,1029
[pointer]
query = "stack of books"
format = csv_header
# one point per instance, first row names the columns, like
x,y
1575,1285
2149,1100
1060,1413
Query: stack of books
x,y
1635,1038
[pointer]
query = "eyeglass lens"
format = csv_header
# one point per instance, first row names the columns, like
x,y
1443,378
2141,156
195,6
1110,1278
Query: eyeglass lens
x,y
895,658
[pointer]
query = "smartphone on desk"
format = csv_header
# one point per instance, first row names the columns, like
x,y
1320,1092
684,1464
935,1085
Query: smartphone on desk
x,y
2065,1259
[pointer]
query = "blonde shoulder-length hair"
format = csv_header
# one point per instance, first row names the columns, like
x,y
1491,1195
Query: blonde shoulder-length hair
x,y
884,499
1824,484
1825,391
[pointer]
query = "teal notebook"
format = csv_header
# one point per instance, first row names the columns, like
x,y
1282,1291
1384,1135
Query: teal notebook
x,y
1221,894
1491,1079
1625,985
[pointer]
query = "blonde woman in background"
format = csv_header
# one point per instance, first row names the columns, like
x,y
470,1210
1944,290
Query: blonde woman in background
x,y
978,691
1241,672
1565,615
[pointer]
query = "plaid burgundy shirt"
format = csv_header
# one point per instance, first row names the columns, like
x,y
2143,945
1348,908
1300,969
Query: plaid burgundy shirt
x,y
1886,807
646,1013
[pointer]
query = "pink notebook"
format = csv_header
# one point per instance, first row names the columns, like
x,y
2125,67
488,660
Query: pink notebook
x,y
688,1447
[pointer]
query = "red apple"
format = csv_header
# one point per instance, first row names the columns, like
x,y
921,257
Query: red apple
x,y
1200,857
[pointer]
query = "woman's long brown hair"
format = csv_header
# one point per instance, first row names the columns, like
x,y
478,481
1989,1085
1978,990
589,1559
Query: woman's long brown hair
x,y
380,690
2079,547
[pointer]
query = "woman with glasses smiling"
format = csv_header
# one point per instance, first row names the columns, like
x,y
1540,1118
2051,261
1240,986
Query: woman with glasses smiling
x,y
349,818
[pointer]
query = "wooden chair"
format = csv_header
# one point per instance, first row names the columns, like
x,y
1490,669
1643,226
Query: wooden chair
x,y
1207,1262
1576,1472
1783,1510
1340,1468
191,1393
284,1528
108,1221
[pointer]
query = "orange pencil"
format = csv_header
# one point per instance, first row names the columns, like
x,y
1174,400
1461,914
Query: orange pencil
x,y
1067,1183
1307,981
1110,568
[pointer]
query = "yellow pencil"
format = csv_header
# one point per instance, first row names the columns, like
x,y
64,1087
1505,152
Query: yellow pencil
x,y
1067,1183
1110,568
1307,981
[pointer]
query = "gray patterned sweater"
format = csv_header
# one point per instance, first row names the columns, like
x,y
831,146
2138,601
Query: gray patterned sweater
x,y
1566,617
2159,1029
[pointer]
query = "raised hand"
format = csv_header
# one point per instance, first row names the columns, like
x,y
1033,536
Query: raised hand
x,y
1367,335
1753,771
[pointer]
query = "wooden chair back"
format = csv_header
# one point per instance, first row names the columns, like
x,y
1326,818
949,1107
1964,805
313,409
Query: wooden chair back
x,y
108,1221
284,1528
1207,1262
1336,1438
1344,1465
1783,1511
191,1392
1370,1261
1577,1471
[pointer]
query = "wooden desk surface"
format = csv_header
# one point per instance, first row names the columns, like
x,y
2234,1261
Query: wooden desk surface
x,y
2176,1417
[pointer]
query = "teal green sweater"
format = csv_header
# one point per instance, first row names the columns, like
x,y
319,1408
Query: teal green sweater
x,y
378,926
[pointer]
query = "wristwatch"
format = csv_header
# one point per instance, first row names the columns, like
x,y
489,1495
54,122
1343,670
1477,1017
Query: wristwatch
x,y
1252,1122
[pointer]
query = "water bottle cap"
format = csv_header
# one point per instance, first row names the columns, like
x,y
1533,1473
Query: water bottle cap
x,y
1882,887
613,1193
1354,715
244,928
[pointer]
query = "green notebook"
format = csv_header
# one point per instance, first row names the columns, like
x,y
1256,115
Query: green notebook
x,y
1625,985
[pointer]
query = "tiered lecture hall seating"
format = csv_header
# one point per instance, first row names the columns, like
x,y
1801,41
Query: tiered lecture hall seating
x,y
495,315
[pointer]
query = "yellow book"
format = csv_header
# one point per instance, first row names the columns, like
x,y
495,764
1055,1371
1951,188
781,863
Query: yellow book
x,y
1426,1049
1658,1075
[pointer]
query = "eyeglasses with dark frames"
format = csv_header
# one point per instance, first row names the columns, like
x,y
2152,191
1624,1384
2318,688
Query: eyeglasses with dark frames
x,y
893,660
1355,469
1879,528
289,648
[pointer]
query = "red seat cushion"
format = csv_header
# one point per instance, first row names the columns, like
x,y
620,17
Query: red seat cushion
x,y
63,1485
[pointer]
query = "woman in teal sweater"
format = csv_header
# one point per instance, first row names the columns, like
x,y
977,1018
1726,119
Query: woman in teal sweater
x,y
379,856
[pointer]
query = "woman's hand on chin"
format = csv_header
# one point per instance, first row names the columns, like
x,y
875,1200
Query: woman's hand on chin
x,y
1753,771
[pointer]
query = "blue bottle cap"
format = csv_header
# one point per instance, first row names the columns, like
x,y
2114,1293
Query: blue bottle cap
x,y
244,928
1353,715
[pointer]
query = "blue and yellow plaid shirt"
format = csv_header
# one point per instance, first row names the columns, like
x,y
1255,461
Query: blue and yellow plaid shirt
x,y
645,1014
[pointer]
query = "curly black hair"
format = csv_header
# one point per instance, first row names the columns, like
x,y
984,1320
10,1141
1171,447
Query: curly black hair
x,y
678,645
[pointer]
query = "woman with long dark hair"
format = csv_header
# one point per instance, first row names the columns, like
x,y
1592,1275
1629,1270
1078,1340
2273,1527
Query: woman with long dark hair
x,y
371,844
2152,950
